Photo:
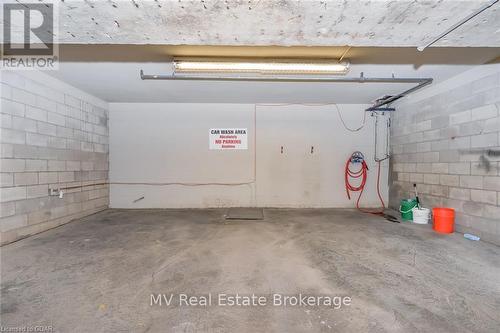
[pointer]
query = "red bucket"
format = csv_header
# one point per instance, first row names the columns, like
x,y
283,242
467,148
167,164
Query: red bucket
x,y
444,220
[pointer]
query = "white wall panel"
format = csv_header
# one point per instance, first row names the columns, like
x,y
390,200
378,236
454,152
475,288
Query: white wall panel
x,y
164,143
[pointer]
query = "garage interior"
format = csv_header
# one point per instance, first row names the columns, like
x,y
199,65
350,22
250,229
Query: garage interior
x,y
255,148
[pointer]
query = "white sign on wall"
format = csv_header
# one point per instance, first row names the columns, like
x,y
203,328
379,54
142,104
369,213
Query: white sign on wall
x,y
228,138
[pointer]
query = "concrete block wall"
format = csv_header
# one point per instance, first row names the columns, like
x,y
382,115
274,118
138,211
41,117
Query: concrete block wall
x,y
52,136
446,139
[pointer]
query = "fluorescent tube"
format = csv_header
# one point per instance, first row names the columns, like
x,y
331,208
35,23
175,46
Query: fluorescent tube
x,y
245,66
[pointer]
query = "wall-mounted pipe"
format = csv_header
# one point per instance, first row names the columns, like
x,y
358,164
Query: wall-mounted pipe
x,y
421,82
460,23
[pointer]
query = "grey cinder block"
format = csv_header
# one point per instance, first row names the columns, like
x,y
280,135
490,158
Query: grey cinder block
x,y
46,128
12,165
6,179
12,136
484,112
492,183
484,140
12,193
450,180
462,168
484,196
460,193
13,108
36,113
13,222
25,178
24,124
471,182
37,191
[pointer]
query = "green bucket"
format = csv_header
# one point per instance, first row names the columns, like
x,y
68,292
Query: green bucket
x,y
406,209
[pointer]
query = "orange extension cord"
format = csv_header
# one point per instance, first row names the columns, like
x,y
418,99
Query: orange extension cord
x,y
363,174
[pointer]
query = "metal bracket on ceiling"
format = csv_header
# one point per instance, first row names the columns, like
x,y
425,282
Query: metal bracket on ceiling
x,y
389,99
386,109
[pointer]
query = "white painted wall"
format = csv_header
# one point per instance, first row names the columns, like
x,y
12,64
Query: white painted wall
x,y
168,143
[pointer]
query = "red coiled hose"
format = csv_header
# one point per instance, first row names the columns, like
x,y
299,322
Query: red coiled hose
x,y
363,174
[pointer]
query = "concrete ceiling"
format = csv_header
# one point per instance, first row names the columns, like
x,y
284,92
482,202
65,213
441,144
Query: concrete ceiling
x,y
104,44
111,72
356,55
276,22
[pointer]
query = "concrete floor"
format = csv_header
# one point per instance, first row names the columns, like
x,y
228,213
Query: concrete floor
x,y
97,274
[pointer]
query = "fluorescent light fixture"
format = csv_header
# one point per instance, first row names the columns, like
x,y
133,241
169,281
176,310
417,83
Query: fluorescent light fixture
x,y
257,66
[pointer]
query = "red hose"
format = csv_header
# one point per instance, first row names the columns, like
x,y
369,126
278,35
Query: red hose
x,y
363,174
